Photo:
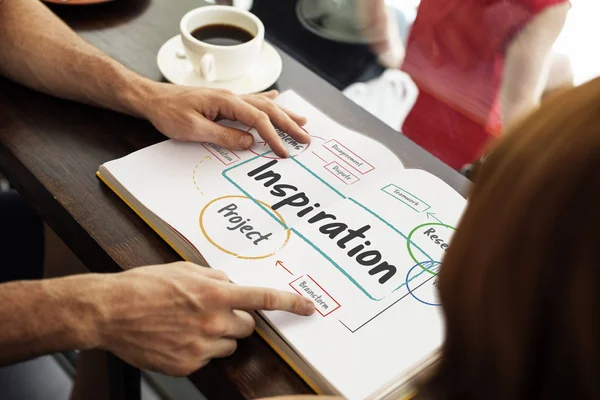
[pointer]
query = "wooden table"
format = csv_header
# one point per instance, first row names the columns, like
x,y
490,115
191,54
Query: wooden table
x,y
50,150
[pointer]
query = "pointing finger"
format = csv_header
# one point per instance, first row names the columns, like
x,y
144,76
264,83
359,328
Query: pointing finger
x,y
282,119
272,95
235,108
300,120
254,298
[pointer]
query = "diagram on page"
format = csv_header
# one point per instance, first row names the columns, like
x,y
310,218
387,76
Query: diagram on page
x,y
343,224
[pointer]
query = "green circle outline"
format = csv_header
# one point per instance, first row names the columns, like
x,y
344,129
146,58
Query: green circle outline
x,y
409,241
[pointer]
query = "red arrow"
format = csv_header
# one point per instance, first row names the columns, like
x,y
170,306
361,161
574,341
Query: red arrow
x,y
280,264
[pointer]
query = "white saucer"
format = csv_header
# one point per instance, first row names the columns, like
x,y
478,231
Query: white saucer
x,y
176,69
315,21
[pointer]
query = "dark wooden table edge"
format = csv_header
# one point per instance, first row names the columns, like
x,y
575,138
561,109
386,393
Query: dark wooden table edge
x,y
56,216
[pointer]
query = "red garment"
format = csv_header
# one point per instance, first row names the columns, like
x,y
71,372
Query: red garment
x,y
455,55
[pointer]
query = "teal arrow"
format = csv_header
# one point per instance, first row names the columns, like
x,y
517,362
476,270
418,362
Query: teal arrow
x,y
432,215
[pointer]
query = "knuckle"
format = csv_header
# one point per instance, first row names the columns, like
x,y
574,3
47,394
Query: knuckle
x,y
181,263
220,294
271,106
178,264
189,122
267,106
225,135
226,96
221,275
188,265
225,93
262,117
271,299
216,328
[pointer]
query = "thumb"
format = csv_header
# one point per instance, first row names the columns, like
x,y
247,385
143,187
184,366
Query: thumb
x,y
224,136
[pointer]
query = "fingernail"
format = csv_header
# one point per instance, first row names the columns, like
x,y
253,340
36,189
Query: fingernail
x,y
309,307
246,141
306,138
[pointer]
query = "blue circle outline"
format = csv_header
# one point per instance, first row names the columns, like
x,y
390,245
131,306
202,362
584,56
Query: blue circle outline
x,y
430,268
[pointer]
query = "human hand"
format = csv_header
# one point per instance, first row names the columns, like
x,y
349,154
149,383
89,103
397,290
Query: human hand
x,y
175,318
188,114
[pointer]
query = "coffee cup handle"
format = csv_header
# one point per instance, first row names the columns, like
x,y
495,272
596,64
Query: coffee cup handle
x,y
207,67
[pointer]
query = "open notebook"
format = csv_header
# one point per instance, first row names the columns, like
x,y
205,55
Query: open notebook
x,y
341,222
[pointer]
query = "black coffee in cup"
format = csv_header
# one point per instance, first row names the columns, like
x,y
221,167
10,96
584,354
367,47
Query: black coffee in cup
x,y
222,34
210,34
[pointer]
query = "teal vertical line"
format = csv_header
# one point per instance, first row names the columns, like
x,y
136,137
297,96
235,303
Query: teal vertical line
x,y
318,177
335,265
391,226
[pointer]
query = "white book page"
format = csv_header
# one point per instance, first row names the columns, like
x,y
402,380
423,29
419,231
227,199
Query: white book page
x,y
341,222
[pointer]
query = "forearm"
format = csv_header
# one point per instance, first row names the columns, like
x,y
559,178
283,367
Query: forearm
x,y
527,63
38,50
41,317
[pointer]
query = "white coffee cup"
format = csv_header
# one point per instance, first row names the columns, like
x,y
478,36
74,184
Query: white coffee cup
x,y
221,63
